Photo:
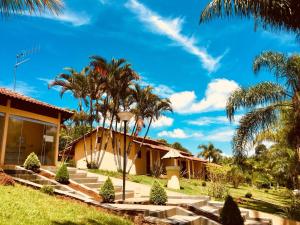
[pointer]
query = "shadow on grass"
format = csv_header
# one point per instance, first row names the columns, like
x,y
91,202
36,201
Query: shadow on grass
x,y
263,206
87,221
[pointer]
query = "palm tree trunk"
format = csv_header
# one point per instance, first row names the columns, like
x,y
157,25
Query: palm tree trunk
x,y
91,129
140,146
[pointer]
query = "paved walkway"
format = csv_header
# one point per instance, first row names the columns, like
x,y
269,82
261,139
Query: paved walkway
x,y
139,189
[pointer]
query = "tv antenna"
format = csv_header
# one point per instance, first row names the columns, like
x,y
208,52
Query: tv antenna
x,y
22,58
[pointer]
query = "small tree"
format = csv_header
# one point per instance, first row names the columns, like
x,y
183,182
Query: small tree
x,y
236,176
107,191
62,174
32,162
231,214
158,195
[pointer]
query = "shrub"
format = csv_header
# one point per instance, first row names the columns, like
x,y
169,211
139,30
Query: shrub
x,y
248,195
62,174
231,214
203,184
107,191
32,162
236,176
217,190
47,189
158,195
92,165
292,211
157,170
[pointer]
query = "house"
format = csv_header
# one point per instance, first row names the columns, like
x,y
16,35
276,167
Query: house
x,y
148,159
28,125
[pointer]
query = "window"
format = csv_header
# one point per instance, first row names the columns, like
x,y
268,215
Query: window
x,y
98,140
139,154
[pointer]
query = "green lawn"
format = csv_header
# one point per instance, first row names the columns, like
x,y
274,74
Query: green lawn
x,y
24,206
270,201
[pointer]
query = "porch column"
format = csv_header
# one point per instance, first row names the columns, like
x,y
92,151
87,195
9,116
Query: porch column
x,y
189,168
57,140
193,169
151,159
5,130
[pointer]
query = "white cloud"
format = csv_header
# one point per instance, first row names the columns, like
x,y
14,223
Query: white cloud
x,y
21,87
163,90
208,120
163,121
215,98
46,82
178,133
220,135
172,28
67,16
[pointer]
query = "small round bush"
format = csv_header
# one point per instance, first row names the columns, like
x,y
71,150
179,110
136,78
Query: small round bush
x,y
107,191
203,184
231,214
62,174
47,189
248,195
32,162
158,195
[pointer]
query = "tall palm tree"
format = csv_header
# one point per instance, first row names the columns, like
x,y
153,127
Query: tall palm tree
x,y
266,100
281,14
210,152
156,107
8,7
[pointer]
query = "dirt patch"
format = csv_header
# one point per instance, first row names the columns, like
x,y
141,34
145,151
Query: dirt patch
x,y
5,179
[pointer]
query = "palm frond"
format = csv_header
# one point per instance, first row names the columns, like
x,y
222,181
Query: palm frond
x,y
261,94
251,124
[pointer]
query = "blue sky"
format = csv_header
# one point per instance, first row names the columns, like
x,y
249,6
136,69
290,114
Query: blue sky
x,y
196,66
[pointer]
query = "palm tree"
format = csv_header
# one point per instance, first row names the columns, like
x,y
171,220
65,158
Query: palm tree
x,y
151,107
281,14
30,6
210,152
266,100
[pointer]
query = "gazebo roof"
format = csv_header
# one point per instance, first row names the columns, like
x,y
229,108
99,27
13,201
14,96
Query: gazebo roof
x,y
173,154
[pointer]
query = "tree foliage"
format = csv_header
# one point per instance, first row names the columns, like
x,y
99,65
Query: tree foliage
x,y
210,152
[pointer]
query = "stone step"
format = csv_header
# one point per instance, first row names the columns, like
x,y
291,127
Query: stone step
x,y
94,185
128,194
78,175
251,221
210,209
86,180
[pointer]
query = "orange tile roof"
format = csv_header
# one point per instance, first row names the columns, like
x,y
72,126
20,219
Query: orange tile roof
x,y
16,95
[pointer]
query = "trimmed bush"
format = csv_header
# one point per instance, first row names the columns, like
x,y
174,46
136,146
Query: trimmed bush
x,y
231,214
248,195
32,162
203,184
47,189
62,174
158,195
107,191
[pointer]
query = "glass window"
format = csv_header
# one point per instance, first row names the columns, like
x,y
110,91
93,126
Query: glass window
x,y
27,135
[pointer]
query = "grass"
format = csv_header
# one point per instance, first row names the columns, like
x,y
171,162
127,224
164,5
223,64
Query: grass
x,y
270,201
24,206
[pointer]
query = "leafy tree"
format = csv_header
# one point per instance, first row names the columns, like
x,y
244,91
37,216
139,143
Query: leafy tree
x,y
210,152
179,146
281,14
31,6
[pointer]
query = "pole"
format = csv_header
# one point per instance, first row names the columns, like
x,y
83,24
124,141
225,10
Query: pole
x,y
124,162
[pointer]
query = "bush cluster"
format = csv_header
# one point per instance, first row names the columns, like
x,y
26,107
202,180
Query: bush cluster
x,y
158,195
231,214
107,191
248,195
62,174
47,189
32,162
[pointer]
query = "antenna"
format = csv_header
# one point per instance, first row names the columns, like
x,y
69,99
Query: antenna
x,y
22,58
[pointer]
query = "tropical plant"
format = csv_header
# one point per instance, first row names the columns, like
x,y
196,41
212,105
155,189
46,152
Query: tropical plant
x,y
236,176
265,101
230,213
32,162
30,6
158,195
107,191
179,147
62,174
281,14
210,152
